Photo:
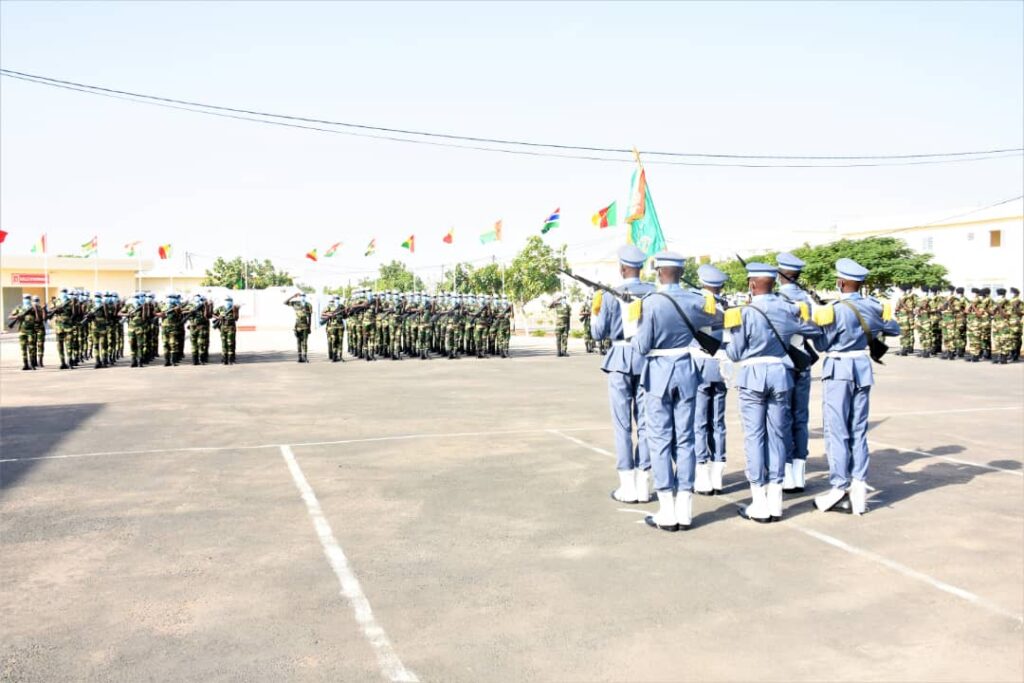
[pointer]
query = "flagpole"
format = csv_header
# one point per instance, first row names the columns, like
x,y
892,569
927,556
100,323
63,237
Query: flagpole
x,y
46,278
96,268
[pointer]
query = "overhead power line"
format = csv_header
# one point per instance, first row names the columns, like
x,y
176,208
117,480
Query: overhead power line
x,y
519,147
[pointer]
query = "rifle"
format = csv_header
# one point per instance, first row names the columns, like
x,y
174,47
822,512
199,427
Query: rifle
x,y
817,299
14,320
708,343
624,296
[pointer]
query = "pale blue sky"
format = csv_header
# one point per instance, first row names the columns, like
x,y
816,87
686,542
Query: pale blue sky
x,y
760,78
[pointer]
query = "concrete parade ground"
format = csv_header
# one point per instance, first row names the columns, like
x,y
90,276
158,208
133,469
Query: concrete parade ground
x,y
450,520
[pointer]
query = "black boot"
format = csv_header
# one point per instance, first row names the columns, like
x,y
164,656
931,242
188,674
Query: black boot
x,y
64,366
167,361
26,366
135,362
98,365
224,359
40,361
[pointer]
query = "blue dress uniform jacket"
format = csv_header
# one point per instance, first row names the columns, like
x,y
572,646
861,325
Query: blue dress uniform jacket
x,y
765,381
607,324
709,410
670,380
799,403
847,378
623,365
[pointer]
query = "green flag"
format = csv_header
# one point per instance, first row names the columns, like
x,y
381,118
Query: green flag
x,y
645,230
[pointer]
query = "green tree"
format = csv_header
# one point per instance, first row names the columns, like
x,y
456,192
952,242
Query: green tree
x,y
239,274
486,280
395,275
534,271
457,279
889,259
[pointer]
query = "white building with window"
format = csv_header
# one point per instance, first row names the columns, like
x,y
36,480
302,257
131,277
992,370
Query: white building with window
x,y
980,248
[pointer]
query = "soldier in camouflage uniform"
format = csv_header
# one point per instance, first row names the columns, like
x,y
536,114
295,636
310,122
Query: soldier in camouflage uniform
x,y
1001,343
332,317
505,315
585,314
225,319
196,315
905,308
938,302
369,319
960,324
923,322
26,318
303,322
977,325
171,316
481,325
62,315
951,309
1016,307
563,320
42,315
138,313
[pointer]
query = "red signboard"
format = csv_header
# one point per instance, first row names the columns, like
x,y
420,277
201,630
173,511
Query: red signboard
x,y
28,279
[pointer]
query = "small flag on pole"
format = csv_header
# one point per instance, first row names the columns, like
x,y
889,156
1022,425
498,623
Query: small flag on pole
x,y
410,244
332,250
450,237
164,252
371,248
92,246
492,235
40,245
606,216
129,249
311,255
552,221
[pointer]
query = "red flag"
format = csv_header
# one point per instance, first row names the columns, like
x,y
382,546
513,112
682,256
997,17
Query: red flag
x,y
3,236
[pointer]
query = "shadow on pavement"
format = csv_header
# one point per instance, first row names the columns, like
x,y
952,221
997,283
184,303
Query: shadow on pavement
x,y
35,431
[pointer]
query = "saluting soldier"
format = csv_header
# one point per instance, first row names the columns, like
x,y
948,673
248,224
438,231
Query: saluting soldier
x,y
226,320
26,318
563,317
709,409
622,365
847,328
668,321
303,321
759,337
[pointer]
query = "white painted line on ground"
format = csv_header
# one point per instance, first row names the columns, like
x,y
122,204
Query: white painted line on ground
x,y
1017,473
204,449
390,665
893,565
853,550
578,442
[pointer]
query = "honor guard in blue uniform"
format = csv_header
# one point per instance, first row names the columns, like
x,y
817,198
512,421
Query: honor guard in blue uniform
x,y
622,364
668,320
793,480
847,377
709,409
758,338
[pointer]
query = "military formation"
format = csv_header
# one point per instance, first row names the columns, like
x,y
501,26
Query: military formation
x,y
94,328
395,325
675,353
982,325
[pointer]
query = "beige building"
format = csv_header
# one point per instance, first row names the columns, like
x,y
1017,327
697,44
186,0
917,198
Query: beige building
x,y
45,276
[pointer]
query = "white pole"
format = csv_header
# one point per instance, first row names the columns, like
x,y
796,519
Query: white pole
x,y
96,268
46,278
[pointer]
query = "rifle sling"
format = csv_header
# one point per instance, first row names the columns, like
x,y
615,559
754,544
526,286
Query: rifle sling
x,y
689,325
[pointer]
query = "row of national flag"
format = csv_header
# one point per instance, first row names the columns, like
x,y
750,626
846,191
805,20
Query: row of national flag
x,y
92,247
